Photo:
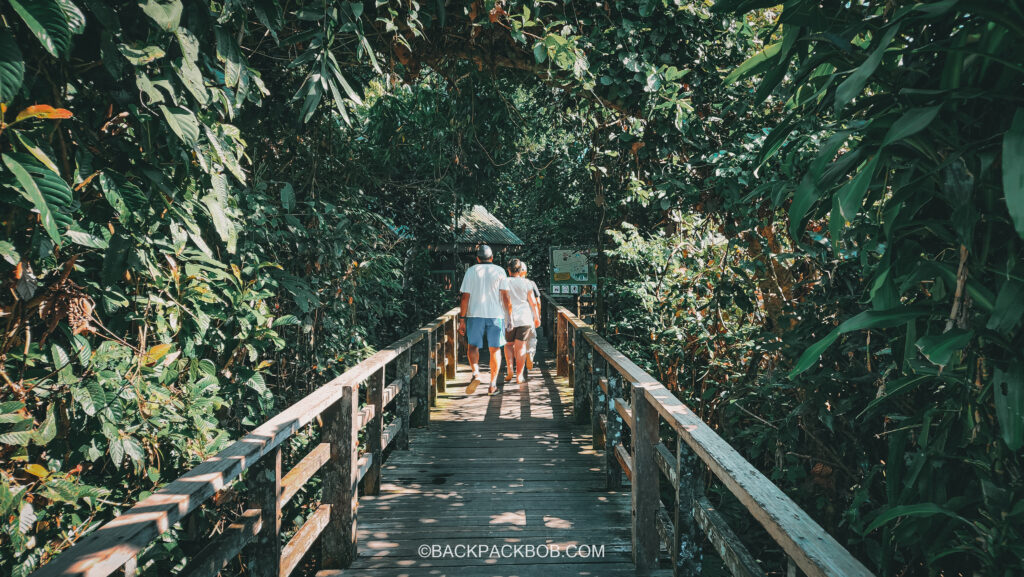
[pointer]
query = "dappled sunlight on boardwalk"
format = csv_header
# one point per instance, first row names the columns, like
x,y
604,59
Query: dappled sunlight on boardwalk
x,y
494,487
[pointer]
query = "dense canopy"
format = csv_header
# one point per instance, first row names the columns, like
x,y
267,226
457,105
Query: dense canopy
x,y
810,216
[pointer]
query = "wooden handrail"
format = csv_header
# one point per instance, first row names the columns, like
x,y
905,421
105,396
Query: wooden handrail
x,y
815,552
116,544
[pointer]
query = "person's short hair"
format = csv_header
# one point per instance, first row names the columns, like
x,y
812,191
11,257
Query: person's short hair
x,y
517,265
484,253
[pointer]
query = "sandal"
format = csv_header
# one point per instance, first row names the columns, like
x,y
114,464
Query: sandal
x,y
471,387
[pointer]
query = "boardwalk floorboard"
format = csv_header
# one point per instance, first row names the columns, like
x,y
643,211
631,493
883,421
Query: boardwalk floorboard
x,y
508,470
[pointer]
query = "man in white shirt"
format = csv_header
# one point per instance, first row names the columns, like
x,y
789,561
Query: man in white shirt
x,y
482,314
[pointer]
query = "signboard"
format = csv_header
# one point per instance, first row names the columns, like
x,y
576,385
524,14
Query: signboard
x,y
573,271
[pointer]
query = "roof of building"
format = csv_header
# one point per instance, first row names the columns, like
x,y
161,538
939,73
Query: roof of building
x,y
478,226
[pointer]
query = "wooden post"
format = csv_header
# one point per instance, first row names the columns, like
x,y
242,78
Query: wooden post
x,y
419,386
686,548
266,548
613,436
561,367
341,475
451,348
646,541
598,398
402,367
431,366
442,383
580,372
374,431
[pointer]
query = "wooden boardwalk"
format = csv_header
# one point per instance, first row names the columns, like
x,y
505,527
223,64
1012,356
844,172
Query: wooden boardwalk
x,y
499,474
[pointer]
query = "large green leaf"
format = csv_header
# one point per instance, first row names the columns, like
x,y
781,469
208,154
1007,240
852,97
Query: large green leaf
x,y
1008,390
865,320
12,67
755,64
30,190
913,121
47,21
940,348
918,510
851,195
183,123
166,13
1013,170
854,84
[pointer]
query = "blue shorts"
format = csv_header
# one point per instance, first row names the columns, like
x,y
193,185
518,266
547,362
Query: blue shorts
x,y
477,327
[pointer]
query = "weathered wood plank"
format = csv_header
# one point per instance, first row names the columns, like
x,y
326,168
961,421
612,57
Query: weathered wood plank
x,y
625,461
302,471
687,549
363,465
624,411
666,462
732,551
215,556
304,539
338,547
365,415
603,383
390,434
578,379
665,529
644,482
613,433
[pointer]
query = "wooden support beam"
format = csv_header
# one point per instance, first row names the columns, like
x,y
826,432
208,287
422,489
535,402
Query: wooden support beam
x,y
215,556
451,347
598,397
402,413
733,552
301,472
419,386
363,465
687,547
644,486
625,461
623,409
266,494
338,547
613,433
303,540
665,528
365,416
667,463
374,432
603,383
390,434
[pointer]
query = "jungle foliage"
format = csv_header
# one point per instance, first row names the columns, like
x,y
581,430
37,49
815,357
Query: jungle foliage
x,y
811,215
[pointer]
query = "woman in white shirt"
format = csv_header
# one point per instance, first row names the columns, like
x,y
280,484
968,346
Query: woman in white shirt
x,y
523,313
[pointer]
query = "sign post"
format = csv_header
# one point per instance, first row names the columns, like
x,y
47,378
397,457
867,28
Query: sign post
x,y
573,272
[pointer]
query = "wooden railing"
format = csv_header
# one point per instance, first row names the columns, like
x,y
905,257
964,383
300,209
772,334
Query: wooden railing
x,y
627,407
401,380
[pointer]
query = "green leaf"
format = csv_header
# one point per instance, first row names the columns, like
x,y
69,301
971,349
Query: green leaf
x,y
228,53
225,228
1013,170
141,55
74,16
1008,390
854,84
540,52
183,123
47,21
1008,308
48,430
30,190
17,438
918,510
12,67
166,13
286,320
938,349
755,64
913,121
865,320
851,195
288,197
8,252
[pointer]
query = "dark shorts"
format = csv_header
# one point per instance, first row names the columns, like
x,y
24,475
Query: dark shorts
x,y
518,333
477,328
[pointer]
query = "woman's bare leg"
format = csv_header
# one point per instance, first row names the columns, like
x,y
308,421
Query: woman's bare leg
x,y
510,357
520,347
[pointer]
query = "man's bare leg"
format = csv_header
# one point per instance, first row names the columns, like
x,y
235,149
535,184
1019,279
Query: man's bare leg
x,y
495,368
474,359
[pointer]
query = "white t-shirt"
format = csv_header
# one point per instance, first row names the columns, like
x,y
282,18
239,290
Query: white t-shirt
x,y
519,289
483,283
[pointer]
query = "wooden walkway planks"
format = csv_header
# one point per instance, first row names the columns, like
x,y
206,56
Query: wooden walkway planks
x,y
496,472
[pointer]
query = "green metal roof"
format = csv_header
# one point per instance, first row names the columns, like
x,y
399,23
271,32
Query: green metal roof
x,y
478,226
